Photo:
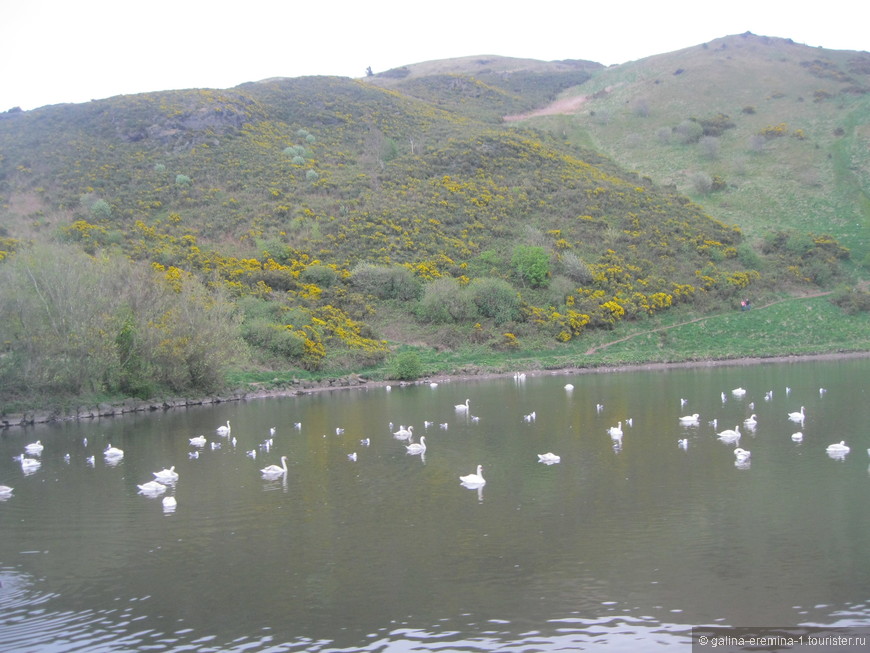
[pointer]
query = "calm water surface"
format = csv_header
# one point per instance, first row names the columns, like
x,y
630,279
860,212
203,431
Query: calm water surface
x,y
616,548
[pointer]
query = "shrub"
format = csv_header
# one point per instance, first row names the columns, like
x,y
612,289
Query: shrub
x,y
182,180
385,281
852,300
532,264
701,182
406,366
495,298
688,131
444,300
575,269
320,275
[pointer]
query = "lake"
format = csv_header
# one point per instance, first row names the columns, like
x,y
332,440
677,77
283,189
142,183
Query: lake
x,y
623,545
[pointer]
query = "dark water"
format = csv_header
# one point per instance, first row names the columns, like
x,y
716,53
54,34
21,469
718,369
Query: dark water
x,y
614,548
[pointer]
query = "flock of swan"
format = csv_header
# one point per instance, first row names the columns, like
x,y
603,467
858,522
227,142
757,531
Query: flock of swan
x,y
836,450
166,478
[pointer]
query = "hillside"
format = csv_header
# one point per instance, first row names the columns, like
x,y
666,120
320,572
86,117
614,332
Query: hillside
x,y
782,128
322,222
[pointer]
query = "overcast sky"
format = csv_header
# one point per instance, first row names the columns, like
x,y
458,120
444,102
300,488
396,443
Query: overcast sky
x,y
54,51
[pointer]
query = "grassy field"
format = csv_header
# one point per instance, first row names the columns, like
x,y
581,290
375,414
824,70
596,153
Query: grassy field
x,y
790,327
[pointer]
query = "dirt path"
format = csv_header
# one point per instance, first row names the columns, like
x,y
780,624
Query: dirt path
x,y
568,105
701,319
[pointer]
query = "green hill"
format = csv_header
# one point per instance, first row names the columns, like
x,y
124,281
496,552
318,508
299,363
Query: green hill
x,y
782,128
151,242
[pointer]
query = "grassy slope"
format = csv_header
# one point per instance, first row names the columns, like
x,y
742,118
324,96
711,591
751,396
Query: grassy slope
x,y
819,184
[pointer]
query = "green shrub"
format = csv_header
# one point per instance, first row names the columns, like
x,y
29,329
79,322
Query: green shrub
x,y
532,264
406,366
445,301
495,298
385,281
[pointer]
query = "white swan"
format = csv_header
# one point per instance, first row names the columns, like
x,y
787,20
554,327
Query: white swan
x,y
615,431
5,491
838,448
683,444
462,407
549,458
152,488
417,447
474,480
569,387
198,441
738,392
274,470
797,437
166,475
34,448
224,430
730,435
690,419
169,504
352,457
531,417
742,455
750,421
404,433
113,452
798,416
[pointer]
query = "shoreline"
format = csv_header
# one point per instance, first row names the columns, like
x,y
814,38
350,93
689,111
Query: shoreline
x,y
357,382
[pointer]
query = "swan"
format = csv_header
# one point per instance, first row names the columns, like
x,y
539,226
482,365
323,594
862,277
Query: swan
x,y
629,421
274,470
417,447
730,435
198,441
683,444
738,392
166,475
433,384
751,421
615,431
169,503
34,448
474,480
193,454
838,448
352,457
404,433
5,491
272,431
569,387
152,487
113,452
797,437
742,455
797,416
365,442
549,458
462,407
531,417
690,419
224,430
339,430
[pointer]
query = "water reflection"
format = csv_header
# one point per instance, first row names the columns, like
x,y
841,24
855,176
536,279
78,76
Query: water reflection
x,y
382,553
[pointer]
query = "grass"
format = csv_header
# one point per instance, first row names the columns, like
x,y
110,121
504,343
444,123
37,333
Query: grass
x,y
790,327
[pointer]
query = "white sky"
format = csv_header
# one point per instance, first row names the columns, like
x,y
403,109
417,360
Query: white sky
x,y
54,51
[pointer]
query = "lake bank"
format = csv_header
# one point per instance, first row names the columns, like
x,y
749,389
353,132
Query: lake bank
x,y
107,410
